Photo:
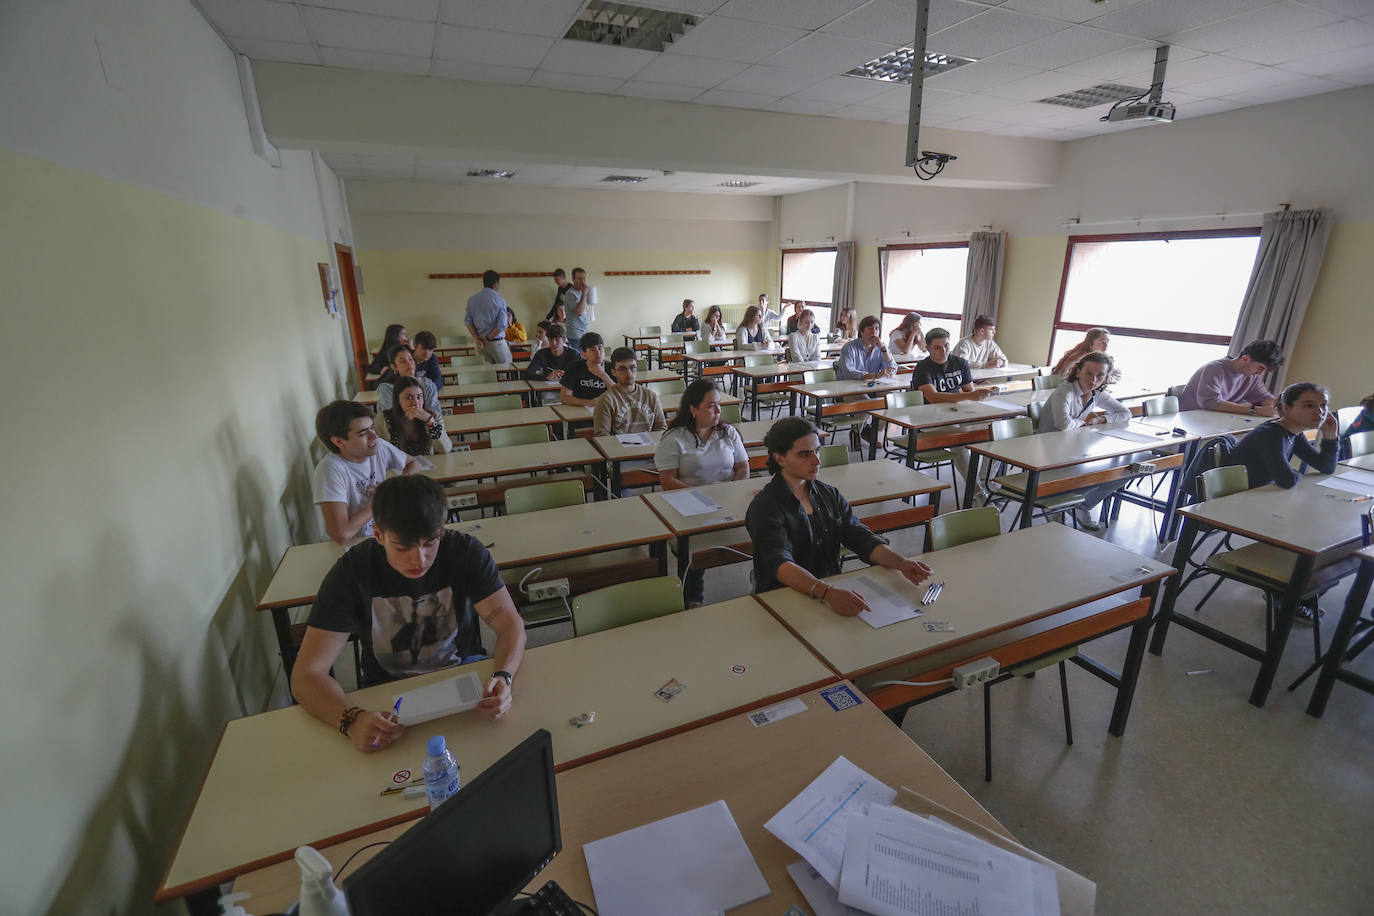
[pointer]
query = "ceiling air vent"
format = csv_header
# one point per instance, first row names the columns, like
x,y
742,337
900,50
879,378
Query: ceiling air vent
x,y
737,183
625,179
490,173
1093,96
625,26
895,66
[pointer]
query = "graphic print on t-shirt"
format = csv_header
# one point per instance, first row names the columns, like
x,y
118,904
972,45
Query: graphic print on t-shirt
x,y
414,635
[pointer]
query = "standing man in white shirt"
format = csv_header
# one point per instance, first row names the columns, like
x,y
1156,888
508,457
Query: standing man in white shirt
x,y
579,300
487,318
979,349
345,479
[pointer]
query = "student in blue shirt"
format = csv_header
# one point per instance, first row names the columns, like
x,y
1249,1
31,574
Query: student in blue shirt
x,y
1267,450
866,356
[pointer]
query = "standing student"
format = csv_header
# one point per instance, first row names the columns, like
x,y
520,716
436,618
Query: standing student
x,y
345,479
415,594
426,360
907,337
410,427
626,407
1083,401
1234,385
866,357
515,331
797,525
556,311
979,349
686,321
1096,340
486,319
803,344
715,326
579,299
1267,450
751,334
395,334
698,449
587,380
403,366
769,313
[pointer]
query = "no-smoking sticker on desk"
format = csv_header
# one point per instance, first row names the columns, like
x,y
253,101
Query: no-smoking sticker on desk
x,y
400,777
736,669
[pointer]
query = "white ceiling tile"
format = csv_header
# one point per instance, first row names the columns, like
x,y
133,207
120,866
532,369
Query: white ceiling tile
x,y
480,46
768,80
898,98
991,32
663,91
537,173
371,60
861,113
1259,25
1207,67
1349,61
1040,86
796,105
260,19
549,18
735,39
1293,89
903,118
845,89
1259,78
829,54
1136,59
1207,107
588,59
734,99
427,10
689,6
894,21
1157,18
380,34
1070,46
481,73
973,124
575,82
1308,45
276,50
801,14
685,70
993,108
937,119
1067,10
937,100
979,75
1344,7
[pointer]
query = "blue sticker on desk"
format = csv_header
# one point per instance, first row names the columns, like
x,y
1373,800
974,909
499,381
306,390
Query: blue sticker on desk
x,y
840,697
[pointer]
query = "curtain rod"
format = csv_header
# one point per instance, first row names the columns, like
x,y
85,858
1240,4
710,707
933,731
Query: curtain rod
x,y
1075,222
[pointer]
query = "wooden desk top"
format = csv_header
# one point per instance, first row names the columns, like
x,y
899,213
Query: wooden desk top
x,y
993,584
720,356
777,369
248,814
499,419
297,577
930,415
1010,370
514,459
1307,519
1047,451
1201,424
572,413
864,482
1362,463
752,432
456,392
842,388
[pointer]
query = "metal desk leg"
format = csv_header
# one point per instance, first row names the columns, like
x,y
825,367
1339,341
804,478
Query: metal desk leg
x,y
281,623
615,477
972,474
911,450
1283,625
1182,553
1340,640
660,552
683,557
754,385
1130,669
1169,527
1028,505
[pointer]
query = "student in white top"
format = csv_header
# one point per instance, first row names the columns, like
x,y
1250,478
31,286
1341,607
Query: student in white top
x,y
698,449
752,334
714,326
769,313
1082,400
358,460
802,345
908,338
979,350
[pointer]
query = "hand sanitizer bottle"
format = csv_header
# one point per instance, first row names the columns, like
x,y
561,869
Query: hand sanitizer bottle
x,y
319,895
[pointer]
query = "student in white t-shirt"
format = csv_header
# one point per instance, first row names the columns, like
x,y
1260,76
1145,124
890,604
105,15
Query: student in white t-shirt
x,y
802,345
358,460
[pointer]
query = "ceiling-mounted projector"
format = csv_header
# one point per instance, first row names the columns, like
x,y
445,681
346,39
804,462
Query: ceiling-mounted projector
x,y
1143,111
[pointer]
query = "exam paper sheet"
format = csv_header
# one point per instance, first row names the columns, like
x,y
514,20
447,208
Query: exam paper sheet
x,y
886,605
632,439
690,502
1129,435
1348,483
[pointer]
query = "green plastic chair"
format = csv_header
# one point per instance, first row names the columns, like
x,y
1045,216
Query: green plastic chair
x,y
963,526
642,364
695,346
759,359
1361,443
500,402
831,425
456,361
896,448
816,376
833,455
1044,382
1154,407
1013,486
518,435
626,603
1034,410
650,329
552,495
729,413
476,376
668,391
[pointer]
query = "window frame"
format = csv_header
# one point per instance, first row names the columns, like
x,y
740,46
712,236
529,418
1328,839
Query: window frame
x,y
1179,336
782,263
882,287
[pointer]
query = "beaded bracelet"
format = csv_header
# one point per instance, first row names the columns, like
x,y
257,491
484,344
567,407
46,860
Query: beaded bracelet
x,y
350,715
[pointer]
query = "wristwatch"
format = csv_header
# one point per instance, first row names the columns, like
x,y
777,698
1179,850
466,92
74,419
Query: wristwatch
x,y
510,678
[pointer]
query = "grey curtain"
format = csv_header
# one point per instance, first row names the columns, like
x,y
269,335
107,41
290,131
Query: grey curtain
x,y
842,293
983,276
1292,245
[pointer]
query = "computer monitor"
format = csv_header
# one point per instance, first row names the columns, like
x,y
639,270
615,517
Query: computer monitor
x,y
476,851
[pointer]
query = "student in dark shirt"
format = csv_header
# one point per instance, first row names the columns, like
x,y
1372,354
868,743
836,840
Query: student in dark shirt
x,y
798,524
942,377
395,334
1266,451
1361,424
686,322
549,363
413,594
426,360
587,380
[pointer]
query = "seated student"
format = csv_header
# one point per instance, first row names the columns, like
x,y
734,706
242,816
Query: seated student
x,y
411,428
345,479
797,525
979,350
395,334
751,334
944,378
541,336
426,360
587,380
626,407
1234,385
413,594
1095,341
1266,450
1083,401
715,326
515,331
847,324
1361,424
686,322
699,449
865,357
557,358
558,312
794,320
402,361
804,344
907,337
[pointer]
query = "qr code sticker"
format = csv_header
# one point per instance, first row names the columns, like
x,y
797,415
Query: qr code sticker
x,y
840,697
759,718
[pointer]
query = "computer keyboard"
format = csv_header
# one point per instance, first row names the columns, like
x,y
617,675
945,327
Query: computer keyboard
x,y
550,900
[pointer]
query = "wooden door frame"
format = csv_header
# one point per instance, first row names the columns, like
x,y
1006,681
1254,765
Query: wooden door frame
x,y
353,312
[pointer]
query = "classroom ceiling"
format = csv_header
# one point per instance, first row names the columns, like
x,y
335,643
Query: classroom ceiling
x,y
792,56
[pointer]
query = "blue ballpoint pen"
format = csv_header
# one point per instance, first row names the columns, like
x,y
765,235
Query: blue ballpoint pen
x,y
395,711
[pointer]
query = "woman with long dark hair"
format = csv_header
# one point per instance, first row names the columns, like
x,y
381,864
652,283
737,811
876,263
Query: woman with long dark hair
x,y
412,428
395,334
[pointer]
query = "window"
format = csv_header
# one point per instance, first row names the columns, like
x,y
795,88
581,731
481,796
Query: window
x,y
923,278
1170,299
808,274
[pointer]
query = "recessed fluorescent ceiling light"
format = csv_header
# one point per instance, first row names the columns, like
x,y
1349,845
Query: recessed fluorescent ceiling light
x,y
625,26
1093,96
737,183
490,173
625,179
895,66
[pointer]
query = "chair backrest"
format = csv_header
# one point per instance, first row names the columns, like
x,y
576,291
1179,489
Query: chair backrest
x,y
672,338
456,361
1033,410
1011,428
1361,443
651,329
729,413
671,388
626,603
500,402
1043,382
905,398
539,496
1157,406
475,376
833,455
518,435
1223,481
447,340
642,364
813,376
1175,390
759,359
963,526
696,346
1346,415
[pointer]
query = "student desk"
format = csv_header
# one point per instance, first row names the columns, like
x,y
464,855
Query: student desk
x,y
648,375
938,416
866,482
1317,524
615,452
1332,669
754,375
1361,463
283,778
1000,373
838,390
580,413
659,349
637,341
502,370
465,424
1015,597
719,357
465,392
515,459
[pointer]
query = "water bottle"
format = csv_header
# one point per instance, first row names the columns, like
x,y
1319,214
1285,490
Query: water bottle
x,y
442,776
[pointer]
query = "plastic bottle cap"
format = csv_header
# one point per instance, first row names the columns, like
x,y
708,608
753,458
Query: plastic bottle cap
x,y
436,746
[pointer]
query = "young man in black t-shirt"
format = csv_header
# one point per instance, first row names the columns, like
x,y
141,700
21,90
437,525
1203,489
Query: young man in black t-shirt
x,y
943,378
413,595
589,379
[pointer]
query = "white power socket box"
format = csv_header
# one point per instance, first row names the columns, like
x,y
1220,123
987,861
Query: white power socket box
x,y
979,672
462,501
549,589
460,447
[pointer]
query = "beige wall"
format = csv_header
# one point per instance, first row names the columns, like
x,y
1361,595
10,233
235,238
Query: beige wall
x,y
1333,349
